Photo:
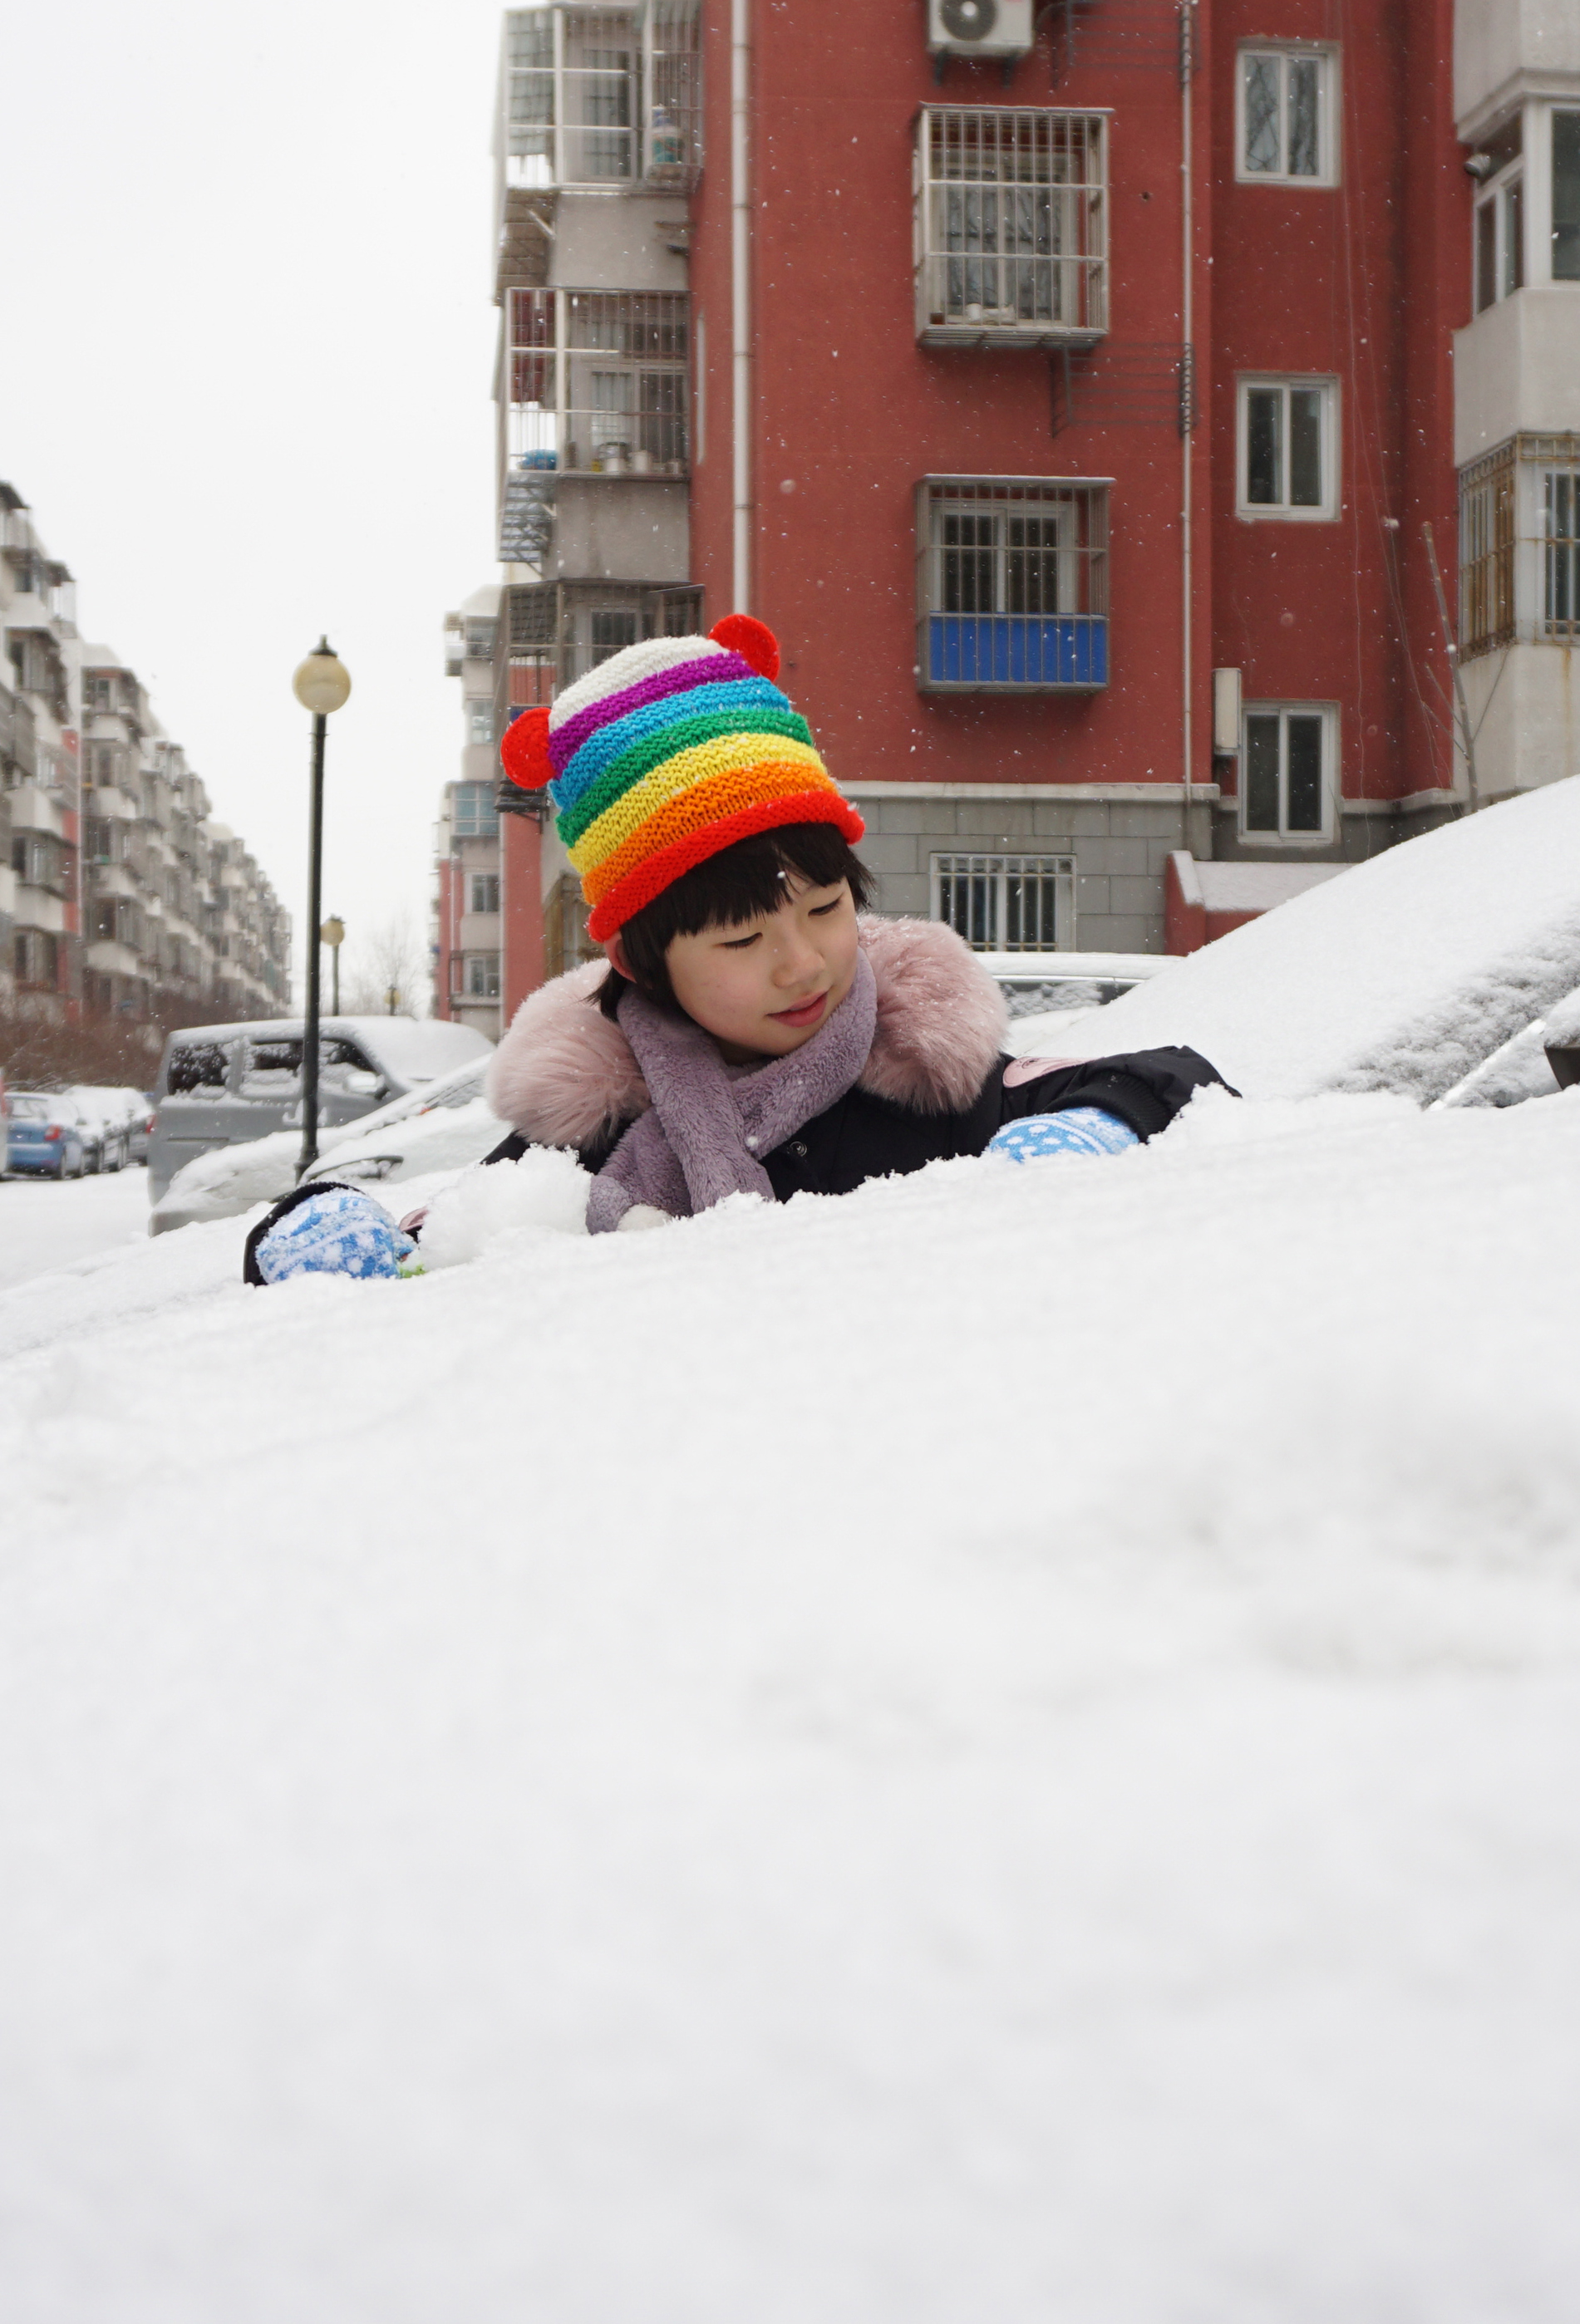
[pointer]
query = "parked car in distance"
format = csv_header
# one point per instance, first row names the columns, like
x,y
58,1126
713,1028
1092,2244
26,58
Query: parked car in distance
x,y
230,1084
143,1124
47,1134
113,1111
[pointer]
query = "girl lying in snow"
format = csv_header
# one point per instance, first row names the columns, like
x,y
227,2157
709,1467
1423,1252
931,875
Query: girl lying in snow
x,y
753,1031
749,1030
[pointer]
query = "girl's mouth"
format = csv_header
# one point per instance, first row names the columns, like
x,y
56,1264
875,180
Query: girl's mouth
x,y
805,1013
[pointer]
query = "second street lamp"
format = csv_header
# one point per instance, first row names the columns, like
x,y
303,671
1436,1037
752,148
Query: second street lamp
x,y
321,685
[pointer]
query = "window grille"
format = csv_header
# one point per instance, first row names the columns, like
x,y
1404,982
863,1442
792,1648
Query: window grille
x,y
1520,545
556,631
602,96
1012,226
1012,584
595,384
1486,552
1007,903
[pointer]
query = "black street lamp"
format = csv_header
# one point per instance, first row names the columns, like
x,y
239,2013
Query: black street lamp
x,y
321,685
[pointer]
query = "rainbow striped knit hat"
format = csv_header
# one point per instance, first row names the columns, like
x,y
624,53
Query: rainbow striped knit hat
x,y
667,753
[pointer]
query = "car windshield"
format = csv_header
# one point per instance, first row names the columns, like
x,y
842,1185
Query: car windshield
x,y
198,1068
30,1108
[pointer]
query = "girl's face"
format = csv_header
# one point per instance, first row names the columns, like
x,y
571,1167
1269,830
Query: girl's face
x,y
763,987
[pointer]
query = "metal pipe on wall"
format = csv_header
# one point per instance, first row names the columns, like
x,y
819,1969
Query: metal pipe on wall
x,y
1187,389
741,298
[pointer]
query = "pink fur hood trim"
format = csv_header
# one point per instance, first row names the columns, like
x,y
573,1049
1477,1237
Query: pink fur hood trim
x,y
564,1073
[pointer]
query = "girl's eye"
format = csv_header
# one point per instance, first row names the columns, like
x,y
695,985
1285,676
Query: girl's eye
x,y
739,944
819,911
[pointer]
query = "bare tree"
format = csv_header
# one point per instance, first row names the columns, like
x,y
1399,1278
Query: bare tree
x,y
389,961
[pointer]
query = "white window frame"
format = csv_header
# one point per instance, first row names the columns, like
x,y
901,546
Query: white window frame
x,y
1327,111
1284,837
479,878
999,867
1510,250
1327,510
481,976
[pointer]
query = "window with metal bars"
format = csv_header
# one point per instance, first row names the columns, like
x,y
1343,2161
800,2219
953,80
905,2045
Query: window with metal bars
x,y
1006,903
597,95
596,382
1012,226
1486,552
1011,583
1520,545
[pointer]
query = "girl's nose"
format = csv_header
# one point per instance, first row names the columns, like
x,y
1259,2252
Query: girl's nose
x,y
798,959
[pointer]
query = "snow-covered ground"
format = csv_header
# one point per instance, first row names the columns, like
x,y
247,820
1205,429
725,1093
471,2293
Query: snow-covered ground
x,y
1003,1747
45,1225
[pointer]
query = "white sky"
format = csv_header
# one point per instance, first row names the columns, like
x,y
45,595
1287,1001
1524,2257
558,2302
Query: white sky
x,y
245,365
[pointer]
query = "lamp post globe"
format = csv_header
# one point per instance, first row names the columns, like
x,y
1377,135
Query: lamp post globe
x,y
321,684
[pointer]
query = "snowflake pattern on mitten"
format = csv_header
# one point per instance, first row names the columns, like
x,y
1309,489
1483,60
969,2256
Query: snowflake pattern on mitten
x,y
336,1232
1080,1131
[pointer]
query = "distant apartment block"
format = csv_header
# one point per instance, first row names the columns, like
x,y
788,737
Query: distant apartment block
x,y
120,895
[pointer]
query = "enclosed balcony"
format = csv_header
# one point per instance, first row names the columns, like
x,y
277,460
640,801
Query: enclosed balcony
x,y
601,96
1012,584
552,633
596,383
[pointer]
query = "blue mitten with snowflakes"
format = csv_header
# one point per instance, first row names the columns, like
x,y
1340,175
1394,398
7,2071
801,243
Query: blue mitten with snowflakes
x,y
1080,1129
324,1229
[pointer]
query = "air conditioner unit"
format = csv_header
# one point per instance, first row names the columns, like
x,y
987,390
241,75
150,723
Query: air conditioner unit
x,y
979,28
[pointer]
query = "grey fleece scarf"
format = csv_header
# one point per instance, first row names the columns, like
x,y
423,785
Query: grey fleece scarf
x,y
703,1138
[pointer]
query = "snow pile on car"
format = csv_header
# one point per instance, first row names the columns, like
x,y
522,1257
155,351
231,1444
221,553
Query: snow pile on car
x,y
999,1748
1405,975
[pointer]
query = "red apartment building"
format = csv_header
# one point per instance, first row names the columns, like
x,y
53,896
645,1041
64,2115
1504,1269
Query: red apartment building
x,y
1070,388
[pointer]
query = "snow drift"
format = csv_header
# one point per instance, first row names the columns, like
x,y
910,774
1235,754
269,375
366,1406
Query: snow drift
x,y
1002,1747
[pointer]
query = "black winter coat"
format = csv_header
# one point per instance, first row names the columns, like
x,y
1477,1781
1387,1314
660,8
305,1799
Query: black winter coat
x,y
863,1137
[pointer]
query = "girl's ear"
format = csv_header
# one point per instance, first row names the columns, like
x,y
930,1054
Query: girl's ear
x,y
614,953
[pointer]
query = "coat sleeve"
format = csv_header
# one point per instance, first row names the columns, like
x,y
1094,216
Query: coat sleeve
x,y
1145,1089
592,1158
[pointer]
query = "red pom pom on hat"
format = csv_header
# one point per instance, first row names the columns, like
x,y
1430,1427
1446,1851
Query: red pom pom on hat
x,y
752,640
524,751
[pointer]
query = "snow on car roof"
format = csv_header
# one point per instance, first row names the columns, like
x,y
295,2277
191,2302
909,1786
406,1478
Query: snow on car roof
x,y
413,1048
1402,975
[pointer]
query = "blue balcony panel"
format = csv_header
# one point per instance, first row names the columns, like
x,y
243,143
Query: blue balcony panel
x,y
1017,650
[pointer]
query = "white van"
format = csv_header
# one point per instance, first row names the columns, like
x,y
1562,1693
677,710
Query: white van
x,y
227,1084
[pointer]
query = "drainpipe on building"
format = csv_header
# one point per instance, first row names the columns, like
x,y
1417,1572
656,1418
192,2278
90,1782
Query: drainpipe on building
x,y
741,298
1186,387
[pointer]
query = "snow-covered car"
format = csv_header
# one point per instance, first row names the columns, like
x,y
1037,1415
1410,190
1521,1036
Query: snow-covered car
x,y
1037,984
1412,973
222,1085
114,1111
48,1135
445,1125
